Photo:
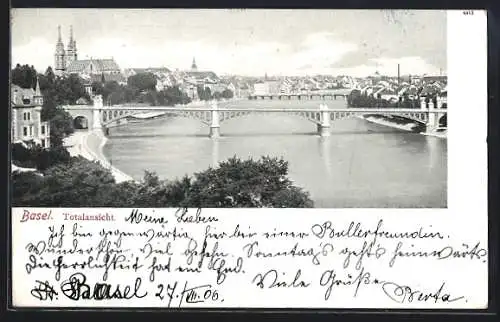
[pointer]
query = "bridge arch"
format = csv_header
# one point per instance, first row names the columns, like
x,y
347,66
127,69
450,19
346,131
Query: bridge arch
x,y
81,123
417,116
108,117
81,114
313,116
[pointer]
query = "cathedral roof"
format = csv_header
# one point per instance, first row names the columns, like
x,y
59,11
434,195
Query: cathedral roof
x,y
119,78
98,65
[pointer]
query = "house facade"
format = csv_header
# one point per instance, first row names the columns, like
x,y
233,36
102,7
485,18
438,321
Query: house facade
x,y
26,122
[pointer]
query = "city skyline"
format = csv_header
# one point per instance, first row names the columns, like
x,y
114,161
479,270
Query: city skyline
x,y
241,42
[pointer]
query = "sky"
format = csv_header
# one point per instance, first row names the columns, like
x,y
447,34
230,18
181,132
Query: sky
x,y
240,42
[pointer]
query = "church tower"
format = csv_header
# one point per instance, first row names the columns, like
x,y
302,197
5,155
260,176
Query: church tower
x,y
59,56
71,54
193,66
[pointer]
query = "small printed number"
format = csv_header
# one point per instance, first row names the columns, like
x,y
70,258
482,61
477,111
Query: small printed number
x,y
468,12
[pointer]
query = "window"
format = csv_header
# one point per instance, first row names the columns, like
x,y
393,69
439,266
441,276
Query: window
x,y
43,129
31,130
29,116
25,131
43,143
26,116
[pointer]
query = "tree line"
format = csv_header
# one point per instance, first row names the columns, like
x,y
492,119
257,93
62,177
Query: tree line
x,y
141,88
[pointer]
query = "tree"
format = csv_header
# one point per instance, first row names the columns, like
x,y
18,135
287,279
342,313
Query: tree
x,y
142,81
217,95
249,183
204,93
353,98
79,183
76,182
207,94
227,94
98,88
24,76
61,125
38,157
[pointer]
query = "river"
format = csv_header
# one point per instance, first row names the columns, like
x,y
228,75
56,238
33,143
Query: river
x,y
361,165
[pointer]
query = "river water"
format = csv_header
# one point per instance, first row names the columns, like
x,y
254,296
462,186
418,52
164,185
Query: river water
x,y
361,165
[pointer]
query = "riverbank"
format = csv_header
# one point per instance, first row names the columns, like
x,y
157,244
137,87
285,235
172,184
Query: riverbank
x,y
89,144
402,124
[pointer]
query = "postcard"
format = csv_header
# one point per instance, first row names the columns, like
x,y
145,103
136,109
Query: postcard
x,y
264,158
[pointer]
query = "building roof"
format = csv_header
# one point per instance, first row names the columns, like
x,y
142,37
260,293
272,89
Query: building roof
x,y
98,65
202,75
147,70
429,89
18,94
119,78
432,79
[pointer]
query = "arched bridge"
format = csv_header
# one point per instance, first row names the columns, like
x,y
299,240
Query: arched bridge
x,y
102,116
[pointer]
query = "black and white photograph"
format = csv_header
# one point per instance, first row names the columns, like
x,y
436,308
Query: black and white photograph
x,y
227,108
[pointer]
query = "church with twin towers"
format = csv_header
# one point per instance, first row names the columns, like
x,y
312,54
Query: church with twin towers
x,y
66,60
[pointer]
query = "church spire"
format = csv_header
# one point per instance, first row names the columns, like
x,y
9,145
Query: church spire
x,y
37,88
193,65
38,97
71,54
59,55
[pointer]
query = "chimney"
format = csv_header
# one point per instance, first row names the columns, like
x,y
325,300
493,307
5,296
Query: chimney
x,y
398,76
14,96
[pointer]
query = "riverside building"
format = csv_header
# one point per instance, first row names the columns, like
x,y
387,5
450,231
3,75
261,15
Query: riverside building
x,y
26,122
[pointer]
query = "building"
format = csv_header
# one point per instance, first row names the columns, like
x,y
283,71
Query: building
x,y
268,87
261,88
67,62
196,78
26,122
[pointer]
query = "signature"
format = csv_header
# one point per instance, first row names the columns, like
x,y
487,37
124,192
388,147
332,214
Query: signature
x,y
271,279
43,291
406,294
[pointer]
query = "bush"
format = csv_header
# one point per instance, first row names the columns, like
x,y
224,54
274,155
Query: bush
x,y
79,183
38,157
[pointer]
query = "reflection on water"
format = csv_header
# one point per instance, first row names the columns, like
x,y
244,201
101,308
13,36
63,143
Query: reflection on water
x,y
324,152
360,165
215,152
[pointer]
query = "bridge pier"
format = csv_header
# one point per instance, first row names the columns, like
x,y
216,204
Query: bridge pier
x,y
433,120
214,123
324,126
96,113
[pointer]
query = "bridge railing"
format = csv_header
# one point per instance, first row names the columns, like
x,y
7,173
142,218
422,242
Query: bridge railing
x,y
366,110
